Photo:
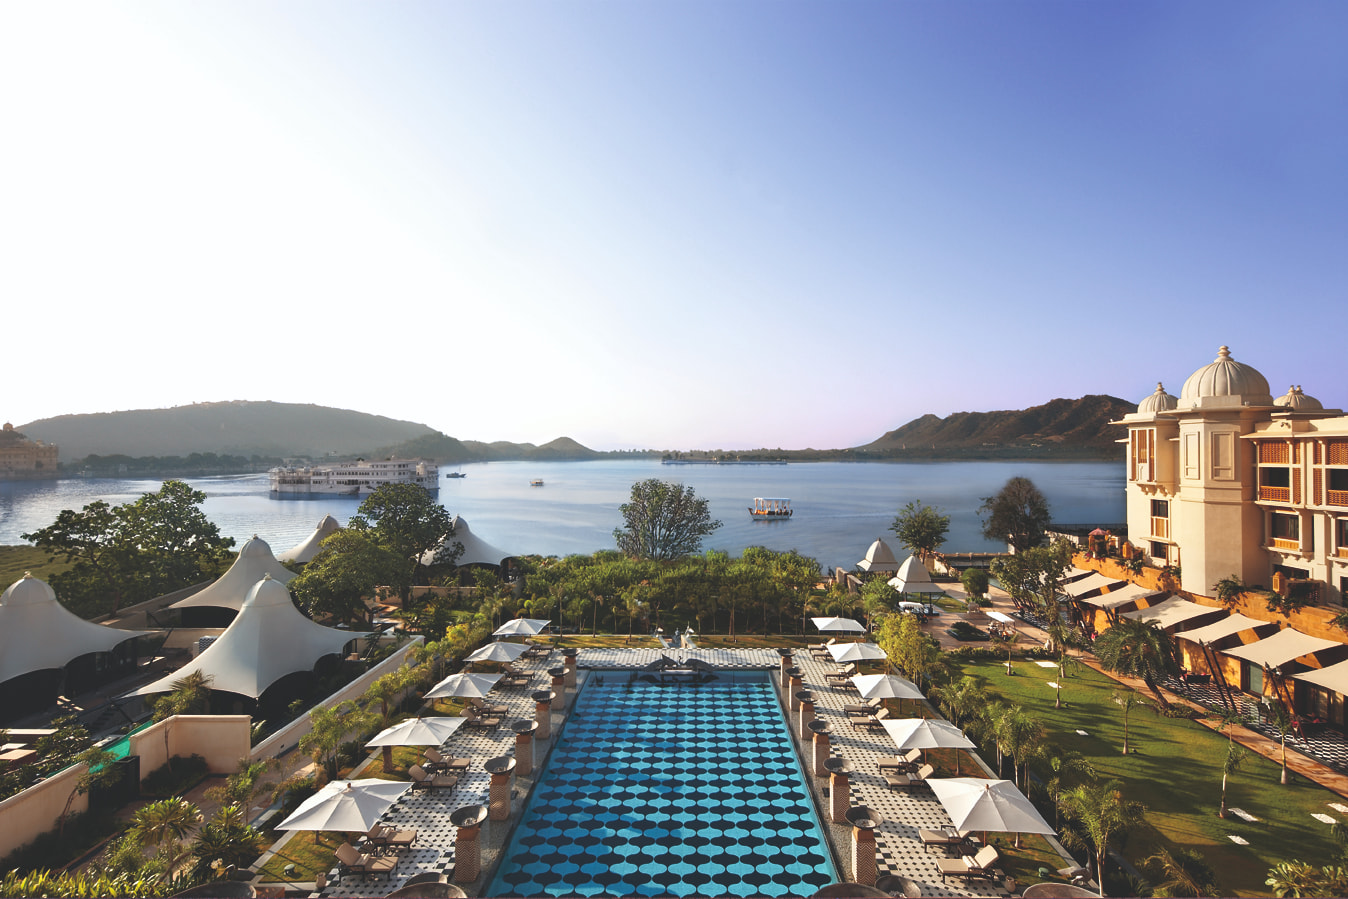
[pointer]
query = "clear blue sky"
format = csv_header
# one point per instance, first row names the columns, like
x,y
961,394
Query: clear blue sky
x,y
667,224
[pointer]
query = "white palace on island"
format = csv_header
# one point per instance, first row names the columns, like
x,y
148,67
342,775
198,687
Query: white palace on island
x,y
1227,480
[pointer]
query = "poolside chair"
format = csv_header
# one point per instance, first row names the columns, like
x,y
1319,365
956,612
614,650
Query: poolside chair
x,y
351,861
905,762
437,763
906,781
980,865
424,780
864,708
383,837
490,711
947,838
477,719
869,722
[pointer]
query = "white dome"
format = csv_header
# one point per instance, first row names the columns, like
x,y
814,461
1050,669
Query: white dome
x,y
267,592
1226,377
1298,401
28,591
1160,401
257,548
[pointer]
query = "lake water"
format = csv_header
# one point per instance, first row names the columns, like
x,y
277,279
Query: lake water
x,y
840,507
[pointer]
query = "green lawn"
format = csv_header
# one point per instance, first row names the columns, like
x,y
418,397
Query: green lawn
x,y
1175,769
15,560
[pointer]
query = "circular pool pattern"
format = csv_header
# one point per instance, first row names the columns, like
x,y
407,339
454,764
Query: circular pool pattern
x,y
664,789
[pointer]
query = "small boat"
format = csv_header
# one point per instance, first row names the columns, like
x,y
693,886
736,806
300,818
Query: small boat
x,y
536,482
769,508
455,474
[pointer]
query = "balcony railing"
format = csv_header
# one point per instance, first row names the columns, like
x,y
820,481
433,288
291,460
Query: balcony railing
x,y
1284,543
1335,497
1276,494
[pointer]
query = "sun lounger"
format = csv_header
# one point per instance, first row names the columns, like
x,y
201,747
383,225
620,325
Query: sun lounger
x,y
491,711
905,781
980,865
425,780
351,861
477,719
869,707
947,838
437,763
869,722
383,837
909,760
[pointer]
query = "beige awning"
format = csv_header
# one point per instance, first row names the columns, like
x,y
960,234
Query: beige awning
x,y
1093,582
1285,646
879,558
1334,677
1173,612
1119,597
1219,630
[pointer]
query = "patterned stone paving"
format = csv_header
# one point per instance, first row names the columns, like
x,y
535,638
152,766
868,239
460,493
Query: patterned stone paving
x,y
898,847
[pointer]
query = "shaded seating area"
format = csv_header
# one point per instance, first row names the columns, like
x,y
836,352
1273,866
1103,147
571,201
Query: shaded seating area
x,y
479,720
425,780
981,865
948,839
352,861
909,761
908,781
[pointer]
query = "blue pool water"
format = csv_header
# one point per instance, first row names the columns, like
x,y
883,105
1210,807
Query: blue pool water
x,y
670,790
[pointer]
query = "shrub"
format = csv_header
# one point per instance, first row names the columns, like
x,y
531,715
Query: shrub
x,y
175,780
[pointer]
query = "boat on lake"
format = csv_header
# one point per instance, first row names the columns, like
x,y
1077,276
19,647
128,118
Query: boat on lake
x,y
455,474
769,508
536,482
358,478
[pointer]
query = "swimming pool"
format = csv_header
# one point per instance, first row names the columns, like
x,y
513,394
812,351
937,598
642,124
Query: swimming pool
x,y
659,789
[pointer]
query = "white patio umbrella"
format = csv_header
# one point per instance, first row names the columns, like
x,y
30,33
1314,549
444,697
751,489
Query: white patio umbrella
x,y
856,652
521,627
346,805
976,803
886,686
496,652
846,625
418,732
927,733
467,683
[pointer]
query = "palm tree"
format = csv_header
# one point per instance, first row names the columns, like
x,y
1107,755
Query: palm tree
x,y
1283,722
1138,649
166,820
1235,755
960,701
1127,699
1018,733
1007,641
1104,814
1294,879
1184,873
1062,765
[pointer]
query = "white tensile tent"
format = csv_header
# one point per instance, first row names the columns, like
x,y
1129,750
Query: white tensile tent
x,y
1120,596
38,633
1285,646
879,557
913,578
309,547
269,640
476,551
1173,613
255,562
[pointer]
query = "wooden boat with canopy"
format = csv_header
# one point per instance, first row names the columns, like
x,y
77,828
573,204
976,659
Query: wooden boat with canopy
x,y
768,508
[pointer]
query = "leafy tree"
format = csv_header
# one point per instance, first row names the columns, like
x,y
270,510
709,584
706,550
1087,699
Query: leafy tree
x,y
346,570
877,598
329,725
1228,590
406,520
1138,649
1103,814
663,521
1018,514
921,528
126,554
975,581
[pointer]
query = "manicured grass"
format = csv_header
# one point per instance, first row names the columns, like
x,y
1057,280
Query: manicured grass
x,y
1175,769
307,855
15,560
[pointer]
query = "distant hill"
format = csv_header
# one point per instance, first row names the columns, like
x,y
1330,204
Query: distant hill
x,y
269,431
239,428
1077,426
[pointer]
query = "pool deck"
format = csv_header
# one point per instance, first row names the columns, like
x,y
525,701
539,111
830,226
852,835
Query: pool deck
x,y
898,847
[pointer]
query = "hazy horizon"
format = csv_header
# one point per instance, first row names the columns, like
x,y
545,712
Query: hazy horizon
x,y
688,224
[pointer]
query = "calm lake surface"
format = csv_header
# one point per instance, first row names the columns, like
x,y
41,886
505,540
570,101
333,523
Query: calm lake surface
x,y
840,507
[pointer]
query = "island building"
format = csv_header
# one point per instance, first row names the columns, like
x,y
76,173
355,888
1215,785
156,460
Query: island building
x,y
1227,480
22,459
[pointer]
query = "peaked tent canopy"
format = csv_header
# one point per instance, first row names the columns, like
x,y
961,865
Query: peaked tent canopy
x,y
1333,677
1120,596
845,625
38,633
879,558
913,578
476,551
1287,645
1175,612
1093,583
269,640
1227,627
229,591
304,551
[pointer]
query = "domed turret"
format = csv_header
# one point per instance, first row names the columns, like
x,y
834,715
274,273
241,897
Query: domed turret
x,y
1225,377
1160,401
1296,401
27,591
